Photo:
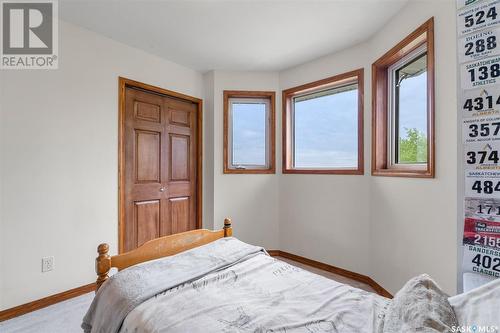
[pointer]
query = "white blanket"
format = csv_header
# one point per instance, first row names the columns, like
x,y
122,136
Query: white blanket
x,y
240,289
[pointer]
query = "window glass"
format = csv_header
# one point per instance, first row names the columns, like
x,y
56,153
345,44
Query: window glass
x,y
403,132
249,133
325,129
411,112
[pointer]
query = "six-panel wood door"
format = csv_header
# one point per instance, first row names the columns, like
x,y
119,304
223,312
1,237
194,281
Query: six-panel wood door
x,y
160,166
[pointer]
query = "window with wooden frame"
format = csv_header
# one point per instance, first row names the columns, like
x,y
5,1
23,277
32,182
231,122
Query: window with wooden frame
x,y
249,132
323,126
403,107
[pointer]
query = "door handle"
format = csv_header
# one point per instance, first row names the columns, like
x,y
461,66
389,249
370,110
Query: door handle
x,y
162,189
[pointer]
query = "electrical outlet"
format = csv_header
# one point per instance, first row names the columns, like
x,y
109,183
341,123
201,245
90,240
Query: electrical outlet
x,y
47,264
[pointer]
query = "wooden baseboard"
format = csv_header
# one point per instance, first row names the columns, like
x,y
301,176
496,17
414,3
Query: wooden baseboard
x,y
274,253
46,301
332,269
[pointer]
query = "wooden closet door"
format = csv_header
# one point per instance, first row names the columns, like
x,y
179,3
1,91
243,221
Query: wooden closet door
x,y
160,167
180,207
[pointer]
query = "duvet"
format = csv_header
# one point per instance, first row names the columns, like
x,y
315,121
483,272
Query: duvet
x,y
230,286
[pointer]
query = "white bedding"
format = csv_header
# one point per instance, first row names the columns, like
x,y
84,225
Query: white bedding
x,y
261,294
243,290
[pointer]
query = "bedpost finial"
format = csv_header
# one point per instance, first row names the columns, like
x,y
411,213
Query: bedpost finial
x,y
228,231
102,265
103,248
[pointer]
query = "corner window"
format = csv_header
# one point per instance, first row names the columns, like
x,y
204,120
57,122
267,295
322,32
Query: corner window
x,y
323,126
403,108
248,132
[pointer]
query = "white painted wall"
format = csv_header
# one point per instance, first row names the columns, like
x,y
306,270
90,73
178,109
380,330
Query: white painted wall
x,y
250,200
388,228
414,221
59,132
208,151
326,217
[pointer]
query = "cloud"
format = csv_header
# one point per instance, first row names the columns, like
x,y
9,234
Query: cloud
x,y
326,131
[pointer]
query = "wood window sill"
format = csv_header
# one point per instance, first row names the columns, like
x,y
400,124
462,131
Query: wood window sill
x,y
324,172
403,173
249,171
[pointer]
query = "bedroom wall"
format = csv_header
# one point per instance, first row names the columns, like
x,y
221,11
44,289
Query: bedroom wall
x,y
414,221
388,228
326,217
59,159
250,200
208,151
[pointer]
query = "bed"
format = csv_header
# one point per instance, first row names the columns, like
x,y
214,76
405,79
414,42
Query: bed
x,y
208,281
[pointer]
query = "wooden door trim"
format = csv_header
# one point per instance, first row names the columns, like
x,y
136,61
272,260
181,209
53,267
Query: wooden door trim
x,y
122,84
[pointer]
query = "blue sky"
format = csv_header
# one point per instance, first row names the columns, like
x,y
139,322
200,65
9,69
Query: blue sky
x,y
249,134
326,132
413,104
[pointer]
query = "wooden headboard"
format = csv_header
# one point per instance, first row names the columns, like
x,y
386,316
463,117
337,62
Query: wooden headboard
x,y
156,248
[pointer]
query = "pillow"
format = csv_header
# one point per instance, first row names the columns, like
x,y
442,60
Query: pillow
x,y
420,306
479,306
